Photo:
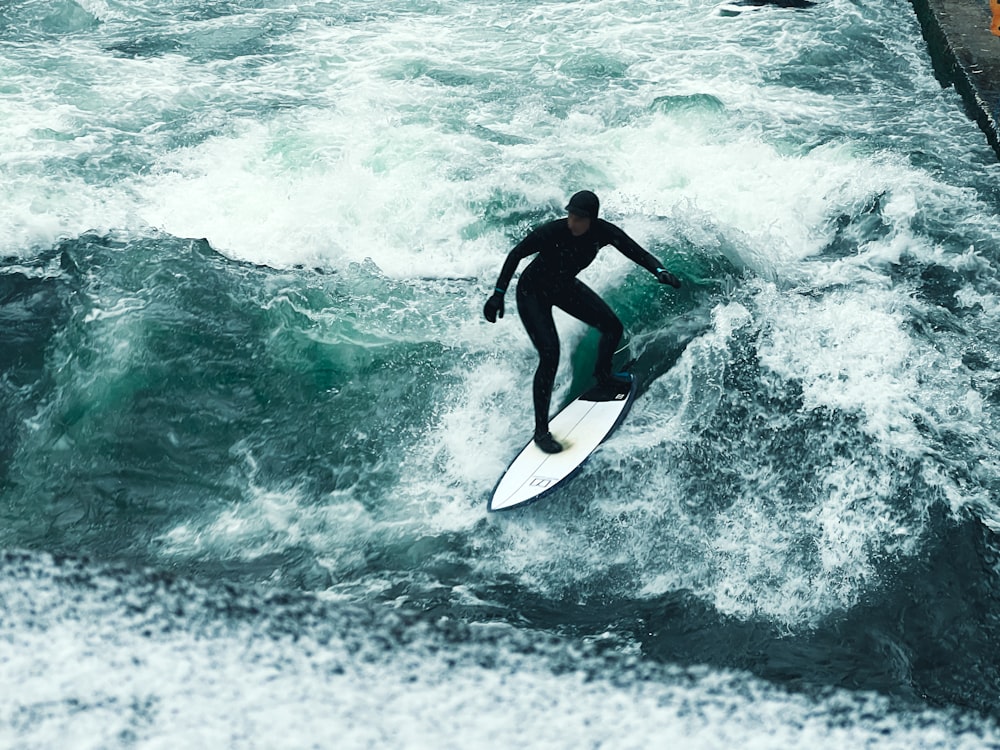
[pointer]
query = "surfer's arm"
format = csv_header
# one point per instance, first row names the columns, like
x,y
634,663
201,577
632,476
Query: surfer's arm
x,y
524,248
638,255
494,305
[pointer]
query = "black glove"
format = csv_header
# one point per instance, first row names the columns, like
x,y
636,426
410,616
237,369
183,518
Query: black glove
x,y
494,307
665,277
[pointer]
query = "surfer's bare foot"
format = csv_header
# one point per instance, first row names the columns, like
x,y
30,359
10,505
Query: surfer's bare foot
x,y
547,443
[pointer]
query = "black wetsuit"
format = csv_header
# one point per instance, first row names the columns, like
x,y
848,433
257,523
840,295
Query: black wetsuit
x,y
550,281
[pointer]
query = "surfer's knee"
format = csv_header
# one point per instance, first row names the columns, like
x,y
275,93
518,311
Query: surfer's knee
x,y
548,357
547,368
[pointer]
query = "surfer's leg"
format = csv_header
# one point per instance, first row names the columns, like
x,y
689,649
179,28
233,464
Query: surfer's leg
x,y
583,303
536,315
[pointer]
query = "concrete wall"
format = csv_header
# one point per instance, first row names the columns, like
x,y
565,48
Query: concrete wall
x,y
966,54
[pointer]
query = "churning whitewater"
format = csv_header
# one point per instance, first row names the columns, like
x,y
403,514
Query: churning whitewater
x,y
251,414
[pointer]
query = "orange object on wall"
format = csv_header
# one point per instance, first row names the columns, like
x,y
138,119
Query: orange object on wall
x,y
995,21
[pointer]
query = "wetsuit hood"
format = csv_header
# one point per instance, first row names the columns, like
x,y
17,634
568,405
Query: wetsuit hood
x,y
585,204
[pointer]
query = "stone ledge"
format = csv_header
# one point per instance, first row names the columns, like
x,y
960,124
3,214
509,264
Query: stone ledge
x,y
967,55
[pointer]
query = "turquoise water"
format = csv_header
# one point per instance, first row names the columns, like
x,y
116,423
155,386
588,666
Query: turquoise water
x,y
251,413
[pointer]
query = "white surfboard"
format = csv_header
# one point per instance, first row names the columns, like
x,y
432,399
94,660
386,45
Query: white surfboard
x,y
582,426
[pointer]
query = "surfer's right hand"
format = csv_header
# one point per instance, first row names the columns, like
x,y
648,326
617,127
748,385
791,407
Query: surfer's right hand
x,y
494,307
665,277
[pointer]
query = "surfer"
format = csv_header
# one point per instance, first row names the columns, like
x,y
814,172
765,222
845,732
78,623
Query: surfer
x,y
565,247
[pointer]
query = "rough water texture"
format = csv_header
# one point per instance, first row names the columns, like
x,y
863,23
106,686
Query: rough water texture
x,y
250,413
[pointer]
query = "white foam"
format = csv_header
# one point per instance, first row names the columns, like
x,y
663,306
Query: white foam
x,y
270,520
105,666
850,352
